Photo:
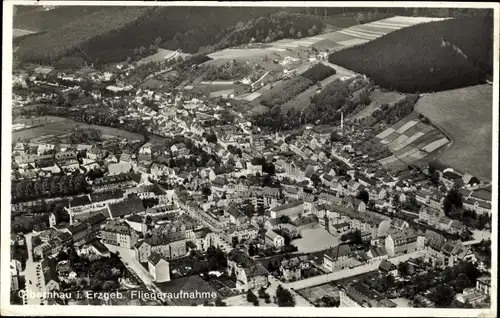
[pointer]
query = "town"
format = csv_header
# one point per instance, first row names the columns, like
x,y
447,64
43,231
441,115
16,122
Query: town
x,y
118,185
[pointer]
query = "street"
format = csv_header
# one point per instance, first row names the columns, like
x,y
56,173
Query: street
x,y
37,281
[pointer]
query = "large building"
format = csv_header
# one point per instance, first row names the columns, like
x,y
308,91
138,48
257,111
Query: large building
x,y
292,210
249,273
119,234
403,242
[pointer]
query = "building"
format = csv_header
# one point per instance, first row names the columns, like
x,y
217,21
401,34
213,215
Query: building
x,y
339,229
292,210
403,242
359,295
50,276
338,258
87,230
274,239
159,268
122,209
291,269
386,267
249,273
119,234
483,285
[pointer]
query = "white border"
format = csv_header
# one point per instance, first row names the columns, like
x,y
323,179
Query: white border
x,y
8,309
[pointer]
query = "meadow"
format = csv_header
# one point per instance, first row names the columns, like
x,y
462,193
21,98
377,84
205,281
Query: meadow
x,y
466,116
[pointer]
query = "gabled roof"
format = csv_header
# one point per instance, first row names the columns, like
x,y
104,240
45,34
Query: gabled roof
x,y
155,258
126,208
80,201
338,251
386,266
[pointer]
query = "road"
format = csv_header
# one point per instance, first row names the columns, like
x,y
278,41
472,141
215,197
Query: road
x,y
318,280
37,285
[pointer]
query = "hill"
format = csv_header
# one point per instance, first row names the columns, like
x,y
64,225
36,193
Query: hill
x,y
427,57
465,115
112,34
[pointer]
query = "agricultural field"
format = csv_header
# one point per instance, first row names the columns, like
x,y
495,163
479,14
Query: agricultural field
x,y
61,127
465,115
411,142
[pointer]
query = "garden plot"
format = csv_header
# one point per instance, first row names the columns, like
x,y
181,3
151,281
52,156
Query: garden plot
x,y
314,294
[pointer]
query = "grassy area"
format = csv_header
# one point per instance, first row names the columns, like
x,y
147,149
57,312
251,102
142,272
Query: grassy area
x,y
378,98
64,126
465,115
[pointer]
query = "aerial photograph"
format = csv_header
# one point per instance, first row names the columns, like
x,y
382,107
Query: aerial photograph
x,y
252,156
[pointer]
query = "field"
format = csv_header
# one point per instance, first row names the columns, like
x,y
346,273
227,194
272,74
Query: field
x,y
411,142
20,32
378,98
427,57
314,240
61,127
465,115
160,56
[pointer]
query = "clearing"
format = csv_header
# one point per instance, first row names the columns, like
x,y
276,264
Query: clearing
x,y
465,115
313,240
61,126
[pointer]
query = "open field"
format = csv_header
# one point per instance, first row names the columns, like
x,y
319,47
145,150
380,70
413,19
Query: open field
x,y
465,115
63,126
20,32
314,240
160,56
378,98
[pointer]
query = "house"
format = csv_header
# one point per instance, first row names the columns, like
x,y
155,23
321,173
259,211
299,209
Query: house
x,y
338,258
386,267
357,294
274,239
249,273
291,269
377,253
450,178
159,268
454,252
119,234
292,210
122,209
236,216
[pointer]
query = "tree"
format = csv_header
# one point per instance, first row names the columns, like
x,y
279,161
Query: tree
x,y
403,269
284,297
206,191
435,177
285,219
364,196
330,301
234,241
251,298
299,34
158,41
219,302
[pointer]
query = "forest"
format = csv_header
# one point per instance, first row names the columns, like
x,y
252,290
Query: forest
x,y
318,72
426,57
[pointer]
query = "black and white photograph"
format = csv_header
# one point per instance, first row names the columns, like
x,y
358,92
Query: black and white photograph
x,y
321,156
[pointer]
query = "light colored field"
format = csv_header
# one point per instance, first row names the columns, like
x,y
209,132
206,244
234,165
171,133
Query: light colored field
x,y
63,126
385,133
314,240
435,144
465,115
408,141
406,126
160,56
19,32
